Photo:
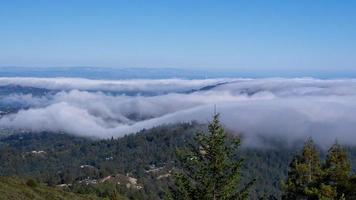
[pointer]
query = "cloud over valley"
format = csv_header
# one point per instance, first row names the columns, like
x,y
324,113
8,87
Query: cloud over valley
x,y
287,108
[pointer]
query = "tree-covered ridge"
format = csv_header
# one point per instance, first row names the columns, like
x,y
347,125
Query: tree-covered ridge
x,y
62,159
147,157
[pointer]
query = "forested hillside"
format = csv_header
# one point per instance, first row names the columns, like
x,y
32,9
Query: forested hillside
x,y
137,166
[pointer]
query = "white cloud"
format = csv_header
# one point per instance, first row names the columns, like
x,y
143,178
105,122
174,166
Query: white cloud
x,y
287,108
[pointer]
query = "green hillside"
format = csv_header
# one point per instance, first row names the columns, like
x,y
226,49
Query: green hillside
x,y
99,166
13,188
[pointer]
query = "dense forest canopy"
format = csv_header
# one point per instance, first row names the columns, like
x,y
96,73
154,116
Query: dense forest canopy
x,y
141,162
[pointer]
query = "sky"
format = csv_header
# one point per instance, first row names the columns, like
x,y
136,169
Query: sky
x,y
269,37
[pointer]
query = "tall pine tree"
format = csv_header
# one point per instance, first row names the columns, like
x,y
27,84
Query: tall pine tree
x,y
337,169
304,176
210,170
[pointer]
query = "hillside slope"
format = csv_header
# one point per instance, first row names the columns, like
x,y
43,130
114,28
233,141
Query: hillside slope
x,y
147,157
13,188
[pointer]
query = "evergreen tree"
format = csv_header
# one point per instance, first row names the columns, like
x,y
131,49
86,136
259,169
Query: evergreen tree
x,y
337,169
304,176
211,168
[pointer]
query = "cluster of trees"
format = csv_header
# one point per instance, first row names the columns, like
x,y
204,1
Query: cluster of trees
x,y
207,166
210,170
130,155
309,178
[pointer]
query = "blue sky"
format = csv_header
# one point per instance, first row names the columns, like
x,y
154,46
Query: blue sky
x,y
271,37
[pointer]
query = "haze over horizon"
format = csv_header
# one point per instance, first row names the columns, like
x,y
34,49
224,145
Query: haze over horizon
x,y
117,73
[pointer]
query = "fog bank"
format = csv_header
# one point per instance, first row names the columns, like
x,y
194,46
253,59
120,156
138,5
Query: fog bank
x,y
288,108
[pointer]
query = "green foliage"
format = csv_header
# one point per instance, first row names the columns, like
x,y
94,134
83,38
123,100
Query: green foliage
x,y
308,179
337,169
134,154
17,189
304,174
210,169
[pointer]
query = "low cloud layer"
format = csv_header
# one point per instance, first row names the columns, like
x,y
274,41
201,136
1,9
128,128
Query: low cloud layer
x,y
288,108
137,86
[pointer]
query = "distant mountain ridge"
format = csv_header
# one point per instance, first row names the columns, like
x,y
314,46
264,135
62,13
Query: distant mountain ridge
x,y
100,72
